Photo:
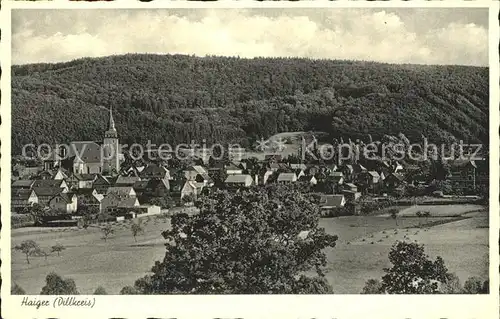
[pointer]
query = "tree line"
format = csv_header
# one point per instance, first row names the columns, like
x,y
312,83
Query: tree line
x,y
177,98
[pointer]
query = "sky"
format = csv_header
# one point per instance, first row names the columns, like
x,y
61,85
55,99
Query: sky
x,y
401,35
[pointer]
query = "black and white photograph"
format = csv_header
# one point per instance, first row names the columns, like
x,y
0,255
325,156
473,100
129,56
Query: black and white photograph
x,y
250,151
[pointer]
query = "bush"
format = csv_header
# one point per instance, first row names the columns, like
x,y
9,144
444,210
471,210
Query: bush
x,y
56,285
474,285
128,290
22,220
372,286
369,206
100,291
452,285
17,290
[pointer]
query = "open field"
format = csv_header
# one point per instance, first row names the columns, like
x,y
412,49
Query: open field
x,y
118,262
440,210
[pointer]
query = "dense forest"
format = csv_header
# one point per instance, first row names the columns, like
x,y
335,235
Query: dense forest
x,y
178,98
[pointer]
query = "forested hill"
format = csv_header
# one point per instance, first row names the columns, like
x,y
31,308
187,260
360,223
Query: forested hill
x,y
177,98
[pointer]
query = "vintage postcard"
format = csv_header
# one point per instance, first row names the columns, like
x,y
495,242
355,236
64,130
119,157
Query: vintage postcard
x,y
250,160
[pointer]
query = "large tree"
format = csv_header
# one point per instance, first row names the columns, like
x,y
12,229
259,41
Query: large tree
x,y
412,271
28,248
262,240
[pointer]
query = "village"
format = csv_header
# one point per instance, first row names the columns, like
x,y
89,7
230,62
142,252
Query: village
x,y
82,188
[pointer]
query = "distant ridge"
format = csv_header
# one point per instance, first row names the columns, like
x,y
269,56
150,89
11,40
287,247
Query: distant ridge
x,y
178,98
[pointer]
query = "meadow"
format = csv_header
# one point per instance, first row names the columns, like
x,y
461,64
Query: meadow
x,y
360,254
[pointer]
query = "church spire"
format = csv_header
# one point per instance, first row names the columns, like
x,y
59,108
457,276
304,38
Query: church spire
x,y
111,121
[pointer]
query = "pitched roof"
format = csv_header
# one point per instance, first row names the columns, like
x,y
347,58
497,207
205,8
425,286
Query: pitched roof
x,y
232,167
285,177
398,176
86,151
237,178
23,183
141,185
117,201
48,183
463,163
67,197
119,190
301,166
47,191
305,178
127,180
84,191
373,173
351,185
154,170
84,177
101,179
331,200
337,174
200,169
157,182
21,194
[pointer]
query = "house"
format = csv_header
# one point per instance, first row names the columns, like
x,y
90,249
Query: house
x,y
22,198
60,174
299,173
155,171
46,174
45,194
358,168
89,197
393,180
102,183
351,196
463,175
348,171
397,167
273,158
235,153
23,171
77,181
123,191
126,180
49,183
312,170
112,202
278,166
264,177
238,180
300,166
369,180
232,169
156,187
181,188
308,179
132,170
369,177
287,178
331,202
23,184
336,177
331,168
198,174
119,196
350,187
64,202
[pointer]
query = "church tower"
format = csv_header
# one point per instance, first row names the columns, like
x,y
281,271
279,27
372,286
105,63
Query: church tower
x,y
111,148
